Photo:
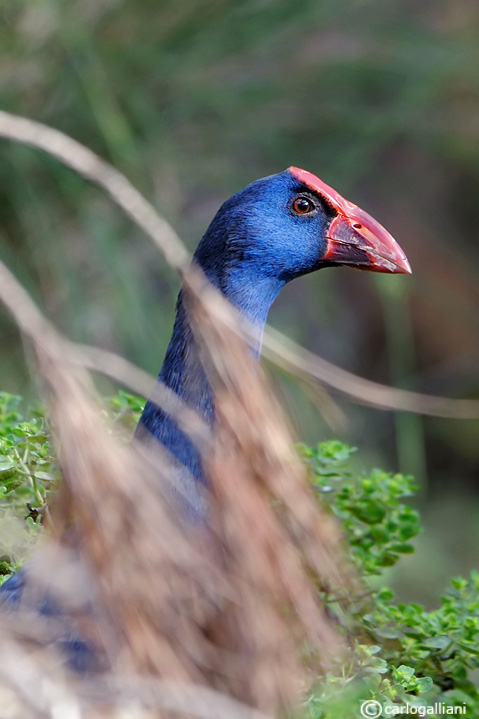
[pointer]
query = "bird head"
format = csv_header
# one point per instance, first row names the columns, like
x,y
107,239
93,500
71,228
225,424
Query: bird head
x,y
293,223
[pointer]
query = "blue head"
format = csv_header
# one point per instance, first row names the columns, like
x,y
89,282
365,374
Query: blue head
x,y
284,226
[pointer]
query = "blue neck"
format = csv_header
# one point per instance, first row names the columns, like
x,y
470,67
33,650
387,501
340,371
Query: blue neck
x,y
182,371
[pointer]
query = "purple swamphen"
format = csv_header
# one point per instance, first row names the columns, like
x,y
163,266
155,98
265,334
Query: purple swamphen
x,y
274,230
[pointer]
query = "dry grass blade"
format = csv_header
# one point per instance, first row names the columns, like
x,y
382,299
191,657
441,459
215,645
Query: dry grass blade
x,y
281,350
35,325
298,360
227,605
121,370
27,693
81,159
279,546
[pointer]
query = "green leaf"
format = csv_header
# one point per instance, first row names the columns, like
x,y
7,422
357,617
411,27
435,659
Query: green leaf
x,y
7,467
441,643
369,512
423,684
45,476
402,548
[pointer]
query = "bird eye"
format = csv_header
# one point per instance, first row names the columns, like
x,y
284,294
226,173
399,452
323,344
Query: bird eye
x,y
302,205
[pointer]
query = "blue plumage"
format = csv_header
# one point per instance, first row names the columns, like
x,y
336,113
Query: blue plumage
x,y
276,229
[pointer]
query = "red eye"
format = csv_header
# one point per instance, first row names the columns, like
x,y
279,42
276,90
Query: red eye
x,y
302,205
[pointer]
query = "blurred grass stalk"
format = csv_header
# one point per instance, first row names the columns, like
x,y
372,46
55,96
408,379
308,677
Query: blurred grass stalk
x,y
178,610
409,430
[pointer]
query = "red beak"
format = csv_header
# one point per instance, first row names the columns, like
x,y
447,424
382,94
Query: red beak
x,y
354,237
357,240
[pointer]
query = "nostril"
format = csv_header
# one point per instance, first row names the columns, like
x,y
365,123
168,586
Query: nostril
x,y
357,226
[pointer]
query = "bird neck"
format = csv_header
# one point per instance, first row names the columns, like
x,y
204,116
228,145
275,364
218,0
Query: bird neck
x,y
252,293
183,372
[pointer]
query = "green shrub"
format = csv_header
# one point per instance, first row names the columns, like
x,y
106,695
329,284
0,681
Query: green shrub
x,y
401,654
29,472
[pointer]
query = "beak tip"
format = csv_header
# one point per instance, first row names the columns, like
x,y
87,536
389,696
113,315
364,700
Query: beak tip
x,y
404,268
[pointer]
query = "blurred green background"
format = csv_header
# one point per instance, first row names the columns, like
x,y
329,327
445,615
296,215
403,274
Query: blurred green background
x,y
193,100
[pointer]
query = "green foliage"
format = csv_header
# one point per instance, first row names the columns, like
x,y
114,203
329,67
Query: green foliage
x,y
401,654
125,410
29,472
27,467
377,524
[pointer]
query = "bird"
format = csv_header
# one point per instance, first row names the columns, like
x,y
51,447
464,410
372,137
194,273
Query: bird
x,y
271,232
274,230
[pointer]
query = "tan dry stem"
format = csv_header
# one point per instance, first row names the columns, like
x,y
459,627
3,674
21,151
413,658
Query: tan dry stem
x,y
279,348
227,604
